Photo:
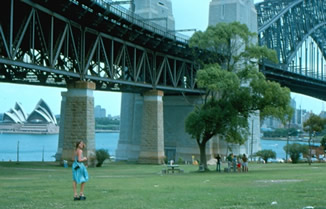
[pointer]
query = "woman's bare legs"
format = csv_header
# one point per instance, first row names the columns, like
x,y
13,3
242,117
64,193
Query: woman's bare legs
x,y
74,186
82,189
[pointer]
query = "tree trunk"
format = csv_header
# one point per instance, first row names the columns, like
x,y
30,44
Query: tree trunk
x,y
309,151
203,160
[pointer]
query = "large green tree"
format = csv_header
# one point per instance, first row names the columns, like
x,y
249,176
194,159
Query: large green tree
x,y
234,88
314,124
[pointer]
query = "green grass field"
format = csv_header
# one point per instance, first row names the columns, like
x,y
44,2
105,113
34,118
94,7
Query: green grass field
x,y
120,185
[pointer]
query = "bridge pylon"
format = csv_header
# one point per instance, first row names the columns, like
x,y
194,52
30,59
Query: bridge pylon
x,y
77,123
152,135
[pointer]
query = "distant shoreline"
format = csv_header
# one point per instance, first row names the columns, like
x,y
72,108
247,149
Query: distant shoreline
x,y
274,138
285,139
49,133
27,132
29,128
107,131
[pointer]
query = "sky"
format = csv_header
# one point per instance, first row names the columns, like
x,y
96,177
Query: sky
x,y
188,14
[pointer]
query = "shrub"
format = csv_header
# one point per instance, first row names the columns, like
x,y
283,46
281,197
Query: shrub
x,y
266,154
180,161
295,150
323,142
101,156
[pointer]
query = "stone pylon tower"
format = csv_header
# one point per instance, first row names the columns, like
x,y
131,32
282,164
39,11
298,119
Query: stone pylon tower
x,y
228,11
134,143
77,121
242,11
142,123
156,11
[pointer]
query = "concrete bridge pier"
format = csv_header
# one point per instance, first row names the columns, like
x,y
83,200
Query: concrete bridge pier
x,y
61,131
130,127
78,121
134,146
152,135
126,126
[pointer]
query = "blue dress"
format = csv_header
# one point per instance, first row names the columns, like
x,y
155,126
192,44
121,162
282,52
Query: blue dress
x,y
79,172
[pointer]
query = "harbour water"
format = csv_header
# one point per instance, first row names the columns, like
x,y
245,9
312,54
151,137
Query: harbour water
x,y
277,146
39,147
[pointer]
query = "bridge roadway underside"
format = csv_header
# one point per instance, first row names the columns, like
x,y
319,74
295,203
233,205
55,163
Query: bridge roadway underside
x,y
295,82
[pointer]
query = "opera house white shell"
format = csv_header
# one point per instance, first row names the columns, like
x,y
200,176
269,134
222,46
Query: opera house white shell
x,y
40,121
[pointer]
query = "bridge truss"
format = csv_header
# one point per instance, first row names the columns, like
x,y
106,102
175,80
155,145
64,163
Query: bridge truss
x,y
296,29
52,43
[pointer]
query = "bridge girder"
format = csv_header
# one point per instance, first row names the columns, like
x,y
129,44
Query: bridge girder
x,y
51,43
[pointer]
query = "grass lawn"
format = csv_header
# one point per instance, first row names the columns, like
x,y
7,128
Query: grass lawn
x,y
133,186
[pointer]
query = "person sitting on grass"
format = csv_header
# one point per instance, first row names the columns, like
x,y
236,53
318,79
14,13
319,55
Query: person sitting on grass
x,y
79,171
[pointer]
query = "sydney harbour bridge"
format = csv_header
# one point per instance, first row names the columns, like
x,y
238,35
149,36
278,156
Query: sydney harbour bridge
x,y
86,45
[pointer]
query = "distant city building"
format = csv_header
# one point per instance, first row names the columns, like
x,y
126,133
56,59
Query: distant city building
x,y
298,118
117,117
271,123
322,114
99,112
306,116
40,121
299,113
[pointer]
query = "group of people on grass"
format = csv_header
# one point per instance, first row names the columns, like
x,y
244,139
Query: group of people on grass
x,y
236,163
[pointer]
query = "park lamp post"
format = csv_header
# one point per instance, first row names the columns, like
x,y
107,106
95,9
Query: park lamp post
x,y
287,142
311,135
252,138
287,146
18,152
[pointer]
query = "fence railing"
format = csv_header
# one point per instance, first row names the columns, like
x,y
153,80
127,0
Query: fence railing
x,y
138,20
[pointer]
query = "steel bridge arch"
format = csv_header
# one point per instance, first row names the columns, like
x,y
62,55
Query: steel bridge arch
x,y
280,28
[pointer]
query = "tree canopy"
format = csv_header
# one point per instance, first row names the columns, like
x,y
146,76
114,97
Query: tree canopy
x,y
323,142
314,124
296,150
266,154
234,87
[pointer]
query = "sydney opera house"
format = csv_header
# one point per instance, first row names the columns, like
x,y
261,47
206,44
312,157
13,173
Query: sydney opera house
x,y
40,121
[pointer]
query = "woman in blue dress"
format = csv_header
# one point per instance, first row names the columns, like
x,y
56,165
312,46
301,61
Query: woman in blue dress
x,y
79,171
